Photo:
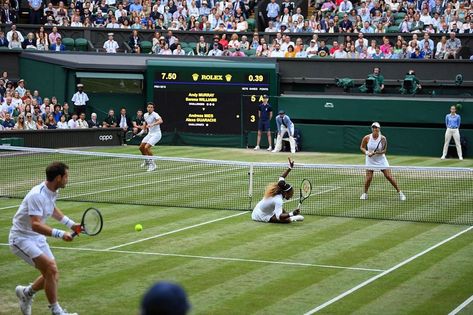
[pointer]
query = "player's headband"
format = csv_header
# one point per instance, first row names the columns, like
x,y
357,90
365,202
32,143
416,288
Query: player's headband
x,y
287,187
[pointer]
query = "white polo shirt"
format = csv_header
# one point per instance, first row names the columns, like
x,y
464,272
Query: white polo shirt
x,y
40,201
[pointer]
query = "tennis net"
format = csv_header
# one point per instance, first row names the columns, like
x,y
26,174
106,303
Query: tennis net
x,y
441,195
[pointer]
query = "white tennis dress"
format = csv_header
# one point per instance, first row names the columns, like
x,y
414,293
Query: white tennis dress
x,y
377,159
268,207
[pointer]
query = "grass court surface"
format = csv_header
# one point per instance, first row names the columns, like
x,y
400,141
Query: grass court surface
x,y
231,265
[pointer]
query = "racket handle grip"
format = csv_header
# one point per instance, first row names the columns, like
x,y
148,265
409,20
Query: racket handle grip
x,y
74,234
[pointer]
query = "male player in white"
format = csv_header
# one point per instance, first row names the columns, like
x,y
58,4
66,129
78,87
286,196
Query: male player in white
x,y
153,122
270,208
27,237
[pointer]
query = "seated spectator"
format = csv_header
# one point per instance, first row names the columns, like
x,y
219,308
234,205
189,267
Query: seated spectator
x,y
277,52
123,120
18,33
58,46
386,47
376,81
42,42
134,42
441,48
15,42
340,53
110,121
30,123
453,47
323,50
238,52
428,53
51,122
20,123
417,54
3,40
62,123
139,126
72,123
82,122
65,111
40,123
312,49
93,122
8,123
178,51
215,51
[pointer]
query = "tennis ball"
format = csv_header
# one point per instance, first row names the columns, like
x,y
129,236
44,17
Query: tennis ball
x,y
138,227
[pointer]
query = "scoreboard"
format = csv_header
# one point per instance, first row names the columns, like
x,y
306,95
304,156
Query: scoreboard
x,y
210,97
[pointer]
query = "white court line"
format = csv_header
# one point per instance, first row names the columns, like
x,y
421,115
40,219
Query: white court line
x,y
370,280
461,306
178,230
272,262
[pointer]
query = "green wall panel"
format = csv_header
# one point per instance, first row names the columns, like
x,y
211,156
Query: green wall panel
x,y
48,79
402,141
383,109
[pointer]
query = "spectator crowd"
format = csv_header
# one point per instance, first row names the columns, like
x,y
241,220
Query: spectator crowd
x,y
22,110
414,20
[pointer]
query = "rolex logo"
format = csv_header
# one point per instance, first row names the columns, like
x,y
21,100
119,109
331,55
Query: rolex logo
x,y
195,76
228,77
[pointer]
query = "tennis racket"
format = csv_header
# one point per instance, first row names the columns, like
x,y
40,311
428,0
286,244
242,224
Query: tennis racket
x,y
379,147
91,223
129,135
304,191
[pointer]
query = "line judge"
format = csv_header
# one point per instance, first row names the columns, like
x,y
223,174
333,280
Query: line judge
x,y
80,100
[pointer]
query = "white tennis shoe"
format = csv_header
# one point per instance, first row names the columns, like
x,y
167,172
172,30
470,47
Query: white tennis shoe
x,y
25,301
364,196
269,148
257,147
402,197
151,167
63,312
145,163
297,218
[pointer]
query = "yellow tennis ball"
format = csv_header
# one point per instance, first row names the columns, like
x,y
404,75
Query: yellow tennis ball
x,y
138,227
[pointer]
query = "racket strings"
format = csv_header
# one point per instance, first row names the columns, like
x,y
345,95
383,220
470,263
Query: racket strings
x,y
92,222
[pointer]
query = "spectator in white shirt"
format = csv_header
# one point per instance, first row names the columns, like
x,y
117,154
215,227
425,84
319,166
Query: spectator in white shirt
x,y
72,123
62,124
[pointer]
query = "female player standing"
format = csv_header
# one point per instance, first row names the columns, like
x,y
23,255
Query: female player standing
x,y
153,120
270,208
374,146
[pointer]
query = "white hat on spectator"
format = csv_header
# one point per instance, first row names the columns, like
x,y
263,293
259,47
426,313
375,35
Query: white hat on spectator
x,y
80,85
110,34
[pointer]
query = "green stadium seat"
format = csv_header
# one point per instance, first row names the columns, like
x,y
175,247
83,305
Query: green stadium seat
x,y
187,50
184,45
393,29
399,15
251,24
398,21
250,52
68,43
146,46
192,45
81,44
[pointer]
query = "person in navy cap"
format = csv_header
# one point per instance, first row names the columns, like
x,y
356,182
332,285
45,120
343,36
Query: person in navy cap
x,y
165,298
265,114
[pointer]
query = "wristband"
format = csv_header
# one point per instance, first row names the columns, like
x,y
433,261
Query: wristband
x,y
291,214
281,179
57,233
67,222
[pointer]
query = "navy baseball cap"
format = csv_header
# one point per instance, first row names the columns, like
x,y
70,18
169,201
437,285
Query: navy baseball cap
x,y
165,298
265,96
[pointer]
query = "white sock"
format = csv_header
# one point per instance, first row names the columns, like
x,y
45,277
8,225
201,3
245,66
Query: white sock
x,y
56,308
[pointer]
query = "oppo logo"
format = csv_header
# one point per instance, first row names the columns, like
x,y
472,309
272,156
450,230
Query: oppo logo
x,y
105,138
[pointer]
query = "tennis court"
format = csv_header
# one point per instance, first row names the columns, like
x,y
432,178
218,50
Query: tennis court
x,y
231,265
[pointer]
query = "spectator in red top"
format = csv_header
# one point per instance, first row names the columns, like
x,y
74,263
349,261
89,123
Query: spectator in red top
x,y
334,47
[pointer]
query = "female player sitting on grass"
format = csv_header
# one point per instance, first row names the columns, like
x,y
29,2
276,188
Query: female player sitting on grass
x,y
270,208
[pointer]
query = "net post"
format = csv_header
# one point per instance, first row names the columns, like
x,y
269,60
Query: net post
x,y
250,184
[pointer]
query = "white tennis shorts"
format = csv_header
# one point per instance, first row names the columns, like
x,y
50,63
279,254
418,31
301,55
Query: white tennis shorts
x,y
28,249
152,139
